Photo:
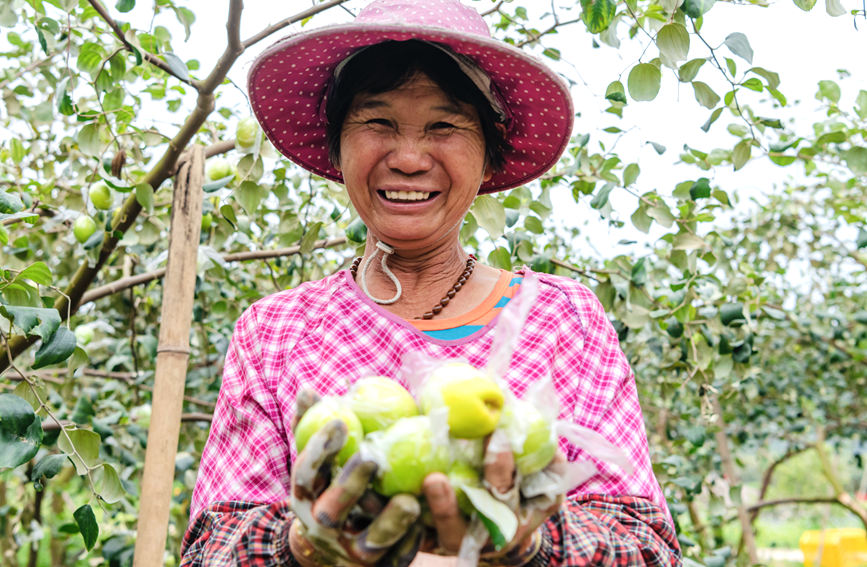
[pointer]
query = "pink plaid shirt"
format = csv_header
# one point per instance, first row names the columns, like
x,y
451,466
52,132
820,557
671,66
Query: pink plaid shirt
x,y
326,334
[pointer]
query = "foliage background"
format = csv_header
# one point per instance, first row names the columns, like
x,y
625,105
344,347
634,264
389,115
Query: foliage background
x,y
745,320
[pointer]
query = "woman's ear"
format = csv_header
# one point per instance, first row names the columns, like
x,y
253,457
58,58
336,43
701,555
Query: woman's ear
x,y
489,172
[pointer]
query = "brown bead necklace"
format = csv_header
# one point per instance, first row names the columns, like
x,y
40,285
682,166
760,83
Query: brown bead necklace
x,y
462,279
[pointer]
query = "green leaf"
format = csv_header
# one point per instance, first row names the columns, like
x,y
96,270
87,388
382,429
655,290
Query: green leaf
x,y
490,214
82,447
10,203
500,258
20,431
212,186
658,148
88,140
805,5
711,119
641,220
597,15
697,8
639,272
661,214
861,104
552,53
107,483
740,46
144,194
741,153
732,314
501,522
643,81
688,241
38,321
689,70
17,150
829,90
771,122
630,174
124,5
87,525
187,18
37,272
861,240
250,195
57,349
308,242
48,467
753,84
534,225
771,77
700,189
177,66
856,159
704,94
616,92
673,43
601,196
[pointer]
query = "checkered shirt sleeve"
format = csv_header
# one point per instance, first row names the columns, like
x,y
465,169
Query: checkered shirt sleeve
x,y
326,335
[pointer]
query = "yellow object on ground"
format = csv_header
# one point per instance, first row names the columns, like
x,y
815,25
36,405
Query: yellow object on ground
x,y
840,547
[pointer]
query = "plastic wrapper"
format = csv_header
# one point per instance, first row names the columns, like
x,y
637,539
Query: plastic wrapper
x,y
529,427
451,409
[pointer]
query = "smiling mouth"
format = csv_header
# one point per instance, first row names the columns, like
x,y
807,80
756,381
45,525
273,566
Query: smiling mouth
x,y
408,196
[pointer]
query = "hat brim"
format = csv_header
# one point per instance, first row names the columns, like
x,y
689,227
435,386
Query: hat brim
x,y
288,81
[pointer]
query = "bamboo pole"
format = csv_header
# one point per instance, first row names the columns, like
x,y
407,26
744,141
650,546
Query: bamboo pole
x,y
171,366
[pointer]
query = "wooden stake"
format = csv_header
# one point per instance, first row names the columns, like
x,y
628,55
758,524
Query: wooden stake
x,y
171,366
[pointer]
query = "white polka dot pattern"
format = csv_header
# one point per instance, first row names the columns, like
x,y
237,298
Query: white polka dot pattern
x,y
288,82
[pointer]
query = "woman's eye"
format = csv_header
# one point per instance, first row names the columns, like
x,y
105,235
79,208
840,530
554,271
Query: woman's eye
x,y
441,126
378,122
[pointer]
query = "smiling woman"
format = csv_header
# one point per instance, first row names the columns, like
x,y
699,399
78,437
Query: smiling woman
x,y
416,110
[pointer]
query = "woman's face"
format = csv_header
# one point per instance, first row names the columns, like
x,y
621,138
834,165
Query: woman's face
x,y
412,161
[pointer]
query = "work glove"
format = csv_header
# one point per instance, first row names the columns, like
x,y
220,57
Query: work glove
x,y
503,482
339,521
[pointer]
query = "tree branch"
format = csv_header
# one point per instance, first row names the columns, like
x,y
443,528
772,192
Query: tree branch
x,y
149,57
754,508
132,281
289,21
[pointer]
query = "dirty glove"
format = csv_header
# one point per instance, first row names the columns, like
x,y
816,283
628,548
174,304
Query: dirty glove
x,y
503,482
339,521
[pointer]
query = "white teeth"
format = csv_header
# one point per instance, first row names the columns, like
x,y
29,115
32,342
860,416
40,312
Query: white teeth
x,y
407,195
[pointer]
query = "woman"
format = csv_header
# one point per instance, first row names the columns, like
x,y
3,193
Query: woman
x,y
416,110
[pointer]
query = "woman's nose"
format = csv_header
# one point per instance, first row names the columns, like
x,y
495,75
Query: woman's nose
x,y
410,155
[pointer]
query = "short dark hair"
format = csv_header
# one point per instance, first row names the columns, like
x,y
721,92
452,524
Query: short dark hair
x,y
388,65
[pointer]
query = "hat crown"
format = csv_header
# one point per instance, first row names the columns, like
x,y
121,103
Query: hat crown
x,y
446,14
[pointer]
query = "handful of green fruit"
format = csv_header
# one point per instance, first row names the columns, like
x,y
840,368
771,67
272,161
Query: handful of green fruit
x,y
458,405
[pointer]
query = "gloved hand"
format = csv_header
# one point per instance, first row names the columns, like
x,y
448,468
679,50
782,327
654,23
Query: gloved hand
x,y
329,528
502,481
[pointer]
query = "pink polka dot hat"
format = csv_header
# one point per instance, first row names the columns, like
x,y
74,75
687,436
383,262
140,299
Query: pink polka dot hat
x,y
288,82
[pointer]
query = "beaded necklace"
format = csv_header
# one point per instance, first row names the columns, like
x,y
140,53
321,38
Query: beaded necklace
x,y
462,279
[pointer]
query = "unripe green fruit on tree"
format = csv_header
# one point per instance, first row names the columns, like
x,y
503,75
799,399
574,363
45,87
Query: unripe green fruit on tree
x,y
207,221
83,228
219,168
322,412
474,400
411,453
83,335
379,401
522,420
246,132
100,196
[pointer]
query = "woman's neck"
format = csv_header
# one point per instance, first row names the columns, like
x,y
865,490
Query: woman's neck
x,y
425,277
